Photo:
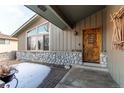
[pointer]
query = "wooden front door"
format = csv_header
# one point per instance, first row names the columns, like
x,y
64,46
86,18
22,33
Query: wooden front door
x,y
91,45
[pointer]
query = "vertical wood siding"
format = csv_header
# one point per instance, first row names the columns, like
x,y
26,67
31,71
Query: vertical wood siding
x,y
67,41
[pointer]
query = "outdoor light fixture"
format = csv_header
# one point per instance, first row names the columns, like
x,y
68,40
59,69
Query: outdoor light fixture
x,y
75,33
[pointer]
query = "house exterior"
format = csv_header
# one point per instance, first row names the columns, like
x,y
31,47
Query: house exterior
x,y
71,37
7,43
28,38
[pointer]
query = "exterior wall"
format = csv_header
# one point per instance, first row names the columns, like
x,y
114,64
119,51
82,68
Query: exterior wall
x,y
67,41
22,37
22,41
115,57
54,57
7,56
13,46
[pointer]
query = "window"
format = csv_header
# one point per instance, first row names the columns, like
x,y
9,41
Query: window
x,y
40,42
31,43
3,41
46,42
43,28
7,41
32,32
38,38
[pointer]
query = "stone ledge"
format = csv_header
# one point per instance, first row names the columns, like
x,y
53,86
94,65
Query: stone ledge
x,y
7,56
61,58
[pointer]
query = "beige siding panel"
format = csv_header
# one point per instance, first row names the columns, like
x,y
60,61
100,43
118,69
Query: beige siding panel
x,y
65,36
99,17
96,20
77,37
82,24
83,27
50,37
115,57
80,36
57,38
104,28
93,21
53,38
73,39
12,46
69,40
88,22
99,23
61,40
22,38
66,40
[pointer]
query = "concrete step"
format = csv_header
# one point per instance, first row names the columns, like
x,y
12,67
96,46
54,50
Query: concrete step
x,y
100,68
95,65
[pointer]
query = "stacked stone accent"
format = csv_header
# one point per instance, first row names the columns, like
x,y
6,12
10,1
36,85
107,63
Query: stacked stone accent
x,y
53,57
8,56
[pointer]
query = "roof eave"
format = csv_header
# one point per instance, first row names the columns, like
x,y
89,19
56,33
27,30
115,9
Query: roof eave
x,y
24,25
51,15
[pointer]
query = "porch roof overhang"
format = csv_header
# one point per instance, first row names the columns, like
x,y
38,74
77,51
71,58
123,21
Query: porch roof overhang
x,y
65,16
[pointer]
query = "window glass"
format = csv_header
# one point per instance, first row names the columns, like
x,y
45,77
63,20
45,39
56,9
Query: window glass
x,y
43,28
46,42
40,42
7,41
32,32
38,38
2,41
31,43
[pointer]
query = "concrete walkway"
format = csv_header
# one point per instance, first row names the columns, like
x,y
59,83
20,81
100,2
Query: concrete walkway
x,y
87,78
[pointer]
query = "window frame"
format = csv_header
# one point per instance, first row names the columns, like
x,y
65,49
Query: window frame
x,y
42,25
5,43
2,43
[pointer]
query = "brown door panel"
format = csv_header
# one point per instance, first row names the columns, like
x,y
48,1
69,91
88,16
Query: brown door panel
x,y
91,45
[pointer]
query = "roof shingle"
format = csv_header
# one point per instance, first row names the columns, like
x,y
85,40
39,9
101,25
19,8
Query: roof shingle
x,y
3,36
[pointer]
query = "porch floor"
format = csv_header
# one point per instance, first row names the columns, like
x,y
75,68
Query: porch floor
x,y
87,78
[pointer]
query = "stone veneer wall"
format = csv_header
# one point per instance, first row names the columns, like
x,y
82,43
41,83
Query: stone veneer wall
x,y
8,56
59,57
